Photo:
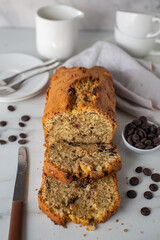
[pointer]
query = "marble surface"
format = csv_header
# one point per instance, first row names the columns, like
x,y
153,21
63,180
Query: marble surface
x,y
36,226
24,14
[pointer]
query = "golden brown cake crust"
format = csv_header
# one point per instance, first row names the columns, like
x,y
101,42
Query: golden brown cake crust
x,y
62,220
64,78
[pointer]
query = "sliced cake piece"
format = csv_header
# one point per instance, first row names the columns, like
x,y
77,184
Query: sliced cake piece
x,y
67,162
80,106
80,202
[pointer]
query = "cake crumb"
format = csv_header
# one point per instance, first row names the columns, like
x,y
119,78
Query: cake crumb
x,y
141,232
125,230
117,220
36,189
126,177
122,223
84,235
109,229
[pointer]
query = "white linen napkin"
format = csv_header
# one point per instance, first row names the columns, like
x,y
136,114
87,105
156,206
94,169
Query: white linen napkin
x,y
136,82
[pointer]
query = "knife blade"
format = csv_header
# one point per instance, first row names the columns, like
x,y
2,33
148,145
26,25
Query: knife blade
x,y
15,230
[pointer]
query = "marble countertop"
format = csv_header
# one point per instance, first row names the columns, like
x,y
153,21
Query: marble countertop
x,y
36,226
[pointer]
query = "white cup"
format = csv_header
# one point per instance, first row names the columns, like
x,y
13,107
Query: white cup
x,y
137,47
138,25
57,30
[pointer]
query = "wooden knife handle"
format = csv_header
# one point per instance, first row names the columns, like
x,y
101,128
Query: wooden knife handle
x,y
15,229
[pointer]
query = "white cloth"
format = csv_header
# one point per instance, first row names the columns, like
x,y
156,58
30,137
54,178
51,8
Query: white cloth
x,y
136,82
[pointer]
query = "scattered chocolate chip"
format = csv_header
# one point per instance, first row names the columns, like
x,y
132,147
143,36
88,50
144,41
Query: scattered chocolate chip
x,y
148,195
12,138
134,181
131,194
140,145
147,171
155,177
153,187
2,142
138,169
94,91
3,123
72,90
23,135
72,200
22,124
22,141
25,118
145,211
11,108
143,119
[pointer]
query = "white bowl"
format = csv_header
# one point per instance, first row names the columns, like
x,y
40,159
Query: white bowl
x,y
137,47
134,149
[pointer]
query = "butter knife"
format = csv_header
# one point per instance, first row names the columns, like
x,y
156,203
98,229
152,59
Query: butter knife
x,y
15,229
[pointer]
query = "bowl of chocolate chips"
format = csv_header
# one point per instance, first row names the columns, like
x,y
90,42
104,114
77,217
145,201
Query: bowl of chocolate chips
x,y
141,135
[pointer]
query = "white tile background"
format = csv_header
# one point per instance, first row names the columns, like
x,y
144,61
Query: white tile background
x,y
99,14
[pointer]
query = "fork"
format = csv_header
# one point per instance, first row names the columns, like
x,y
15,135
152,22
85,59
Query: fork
x,y
14,87
5,81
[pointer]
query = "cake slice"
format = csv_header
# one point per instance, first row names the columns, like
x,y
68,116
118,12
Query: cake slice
x,y
80,106
67,162
80,202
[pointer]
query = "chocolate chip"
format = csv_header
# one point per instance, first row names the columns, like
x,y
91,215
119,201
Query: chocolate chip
x,y
12,138
143,140
147,171
149,147
158,131
22,141
130,125
25,118
72,200
153,128
3,123
145,211
136,122
155,177
94,91
135,138
2,142
148,195
138,169
140,145
72,90
11,108
145,125
134,181
131,194
129,140
22,124
23,135
156,140
148,142
143,119
153,187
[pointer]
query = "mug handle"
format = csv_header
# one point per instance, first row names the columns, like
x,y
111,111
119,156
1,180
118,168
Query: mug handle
x,y
150,35
155,53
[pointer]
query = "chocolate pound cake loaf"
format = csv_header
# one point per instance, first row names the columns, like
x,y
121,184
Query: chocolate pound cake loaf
x,y
69,161
80,202
80,106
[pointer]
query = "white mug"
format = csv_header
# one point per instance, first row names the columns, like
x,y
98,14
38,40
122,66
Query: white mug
x,y
137,47
57,30
138,25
